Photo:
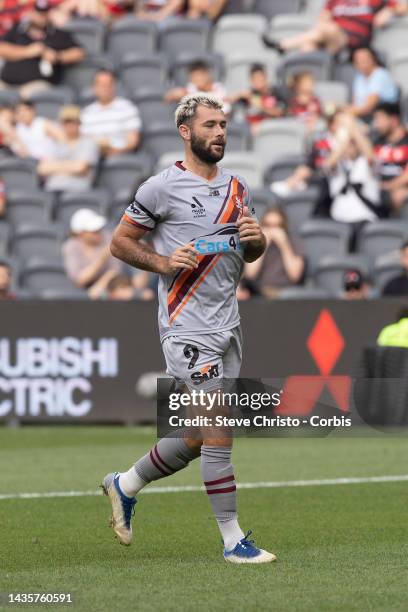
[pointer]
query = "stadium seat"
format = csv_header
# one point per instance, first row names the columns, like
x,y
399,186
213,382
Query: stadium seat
x,y
331,268
237,77
323,237
386,267
9,97
281,169
30,241
247,164
283,26
18,174
179,68
136,70
29,207
42,274
118,205
303,293
332,92
381,237
238,137
262,199
160,138
278,137
313,7
299,208
124,172
152,106
343,71
88,32
271,8
80,76
48,102
168,159
130,35
66,294
319,63
175,36
69,202
5,233
233,33
398,65
391,38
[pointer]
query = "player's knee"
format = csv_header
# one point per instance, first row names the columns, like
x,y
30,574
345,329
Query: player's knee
x,y
194,444
214,441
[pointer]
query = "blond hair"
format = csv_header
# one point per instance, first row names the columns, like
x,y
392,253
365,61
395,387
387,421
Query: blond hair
x,y
187,106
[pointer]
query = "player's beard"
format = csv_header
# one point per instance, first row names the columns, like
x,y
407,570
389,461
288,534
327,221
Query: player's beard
x,y
205,153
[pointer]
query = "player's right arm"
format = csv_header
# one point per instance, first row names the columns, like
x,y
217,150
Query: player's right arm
x,y
127,245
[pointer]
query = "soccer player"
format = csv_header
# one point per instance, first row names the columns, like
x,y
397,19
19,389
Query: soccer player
x,y
191,209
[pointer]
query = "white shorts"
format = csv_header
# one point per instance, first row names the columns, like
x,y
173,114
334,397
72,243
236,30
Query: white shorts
x,y
201,360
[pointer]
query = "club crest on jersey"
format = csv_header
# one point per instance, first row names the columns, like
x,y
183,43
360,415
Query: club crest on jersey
x,y
238,202
206,373
197,208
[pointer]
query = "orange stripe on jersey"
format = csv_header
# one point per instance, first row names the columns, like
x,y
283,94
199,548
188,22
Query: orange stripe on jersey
x,y
193,289
232,212
136,223
185,276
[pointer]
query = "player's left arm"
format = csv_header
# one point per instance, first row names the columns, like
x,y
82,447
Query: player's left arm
x,y
251,236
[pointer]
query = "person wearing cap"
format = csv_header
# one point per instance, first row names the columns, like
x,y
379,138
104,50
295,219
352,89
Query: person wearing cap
x,y
75,156
35,51
398,285
354,285
86,253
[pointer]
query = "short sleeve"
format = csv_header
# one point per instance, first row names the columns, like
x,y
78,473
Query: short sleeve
x,y
63,41
149,205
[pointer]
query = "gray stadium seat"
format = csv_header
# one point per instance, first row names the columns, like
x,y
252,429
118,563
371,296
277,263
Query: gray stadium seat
x,y
392,38
283,26
124,172
130,35
136,71
9,97
5,233
177,36
152,106
398,65
281,169
88,32
160,138
118,205
43,274
69,202
381,237
299,208
168,159
180,66
80,76
262,199
31,241
270,8
238,137
276,138
29,207
247,164
330,92
233,33
323,237
314,7
343,70
303,293
319,63
18,174
48,102
386,267
66,294
330,270
237,77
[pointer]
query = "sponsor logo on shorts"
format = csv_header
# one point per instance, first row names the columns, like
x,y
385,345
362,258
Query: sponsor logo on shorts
x,y
206,373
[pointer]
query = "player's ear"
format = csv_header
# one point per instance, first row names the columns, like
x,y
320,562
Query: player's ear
x,y
184,131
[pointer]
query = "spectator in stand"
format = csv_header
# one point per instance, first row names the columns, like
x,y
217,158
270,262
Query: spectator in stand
x,y
12,12
342,24
391,150
372,84
35,52
122,288
111,121
355,286
200,80
3,198
212,9
86,254
158,10
33,136
7,127
75,155
261,101
395,334
303,102
399,284
5,282
282,264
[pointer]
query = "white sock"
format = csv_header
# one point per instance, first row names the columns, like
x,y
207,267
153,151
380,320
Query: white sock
x,y
231,533
130,482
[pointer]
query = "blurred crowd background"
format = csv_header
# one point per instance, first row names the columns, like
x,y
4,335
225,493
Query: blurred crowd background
x,y
317,99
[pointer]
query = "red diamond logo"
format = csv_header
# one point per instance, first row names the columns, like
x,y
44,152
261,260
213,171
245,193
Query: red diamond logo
x,y
325,342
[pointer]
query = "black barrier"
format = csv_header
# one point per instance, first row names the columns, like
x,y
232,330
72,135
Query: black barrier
x,y
82,361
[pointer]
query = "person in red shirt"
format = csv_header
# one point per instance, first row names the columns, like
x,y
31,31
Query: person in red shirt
x,y
343,23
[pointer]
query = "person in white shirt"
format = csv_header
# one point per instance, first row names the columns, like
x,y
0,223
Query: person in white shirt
x,y
113,122
33,136
200,80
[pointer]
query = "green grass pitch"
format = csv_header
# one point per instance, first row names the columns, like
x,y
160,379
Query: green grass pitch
x,y
341,547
